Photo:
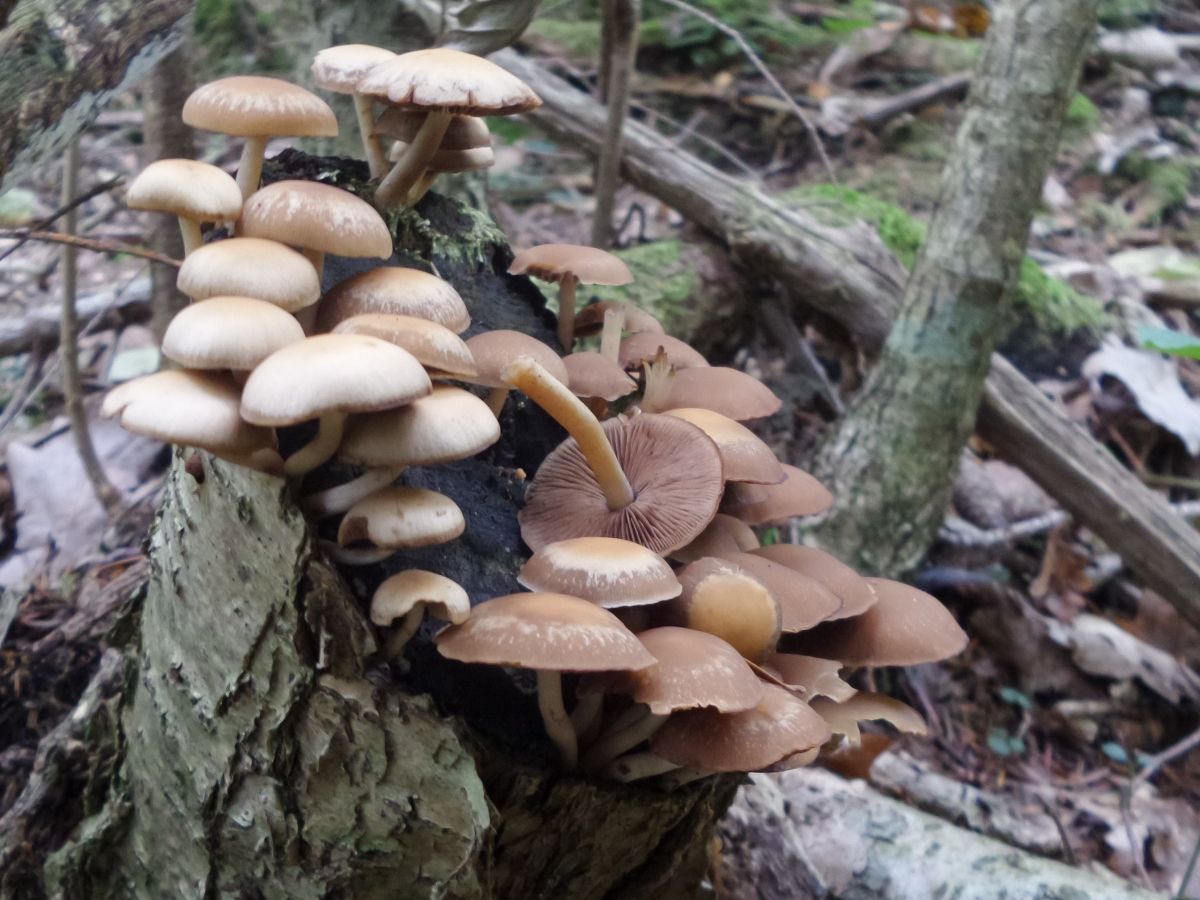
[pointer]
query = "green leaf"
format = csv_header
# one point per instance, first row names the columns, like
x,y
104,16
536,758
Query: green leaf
x,y
1015,697
1115,752
1168,340
1003,743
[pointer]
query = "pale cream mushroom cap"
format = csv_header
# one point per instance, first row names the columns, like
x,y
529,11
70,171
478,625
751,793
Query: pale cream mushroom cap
x,y
730,392
445,161
843,717
590,319
436,347
606,571
743,453
228,333
396,517
817,677
558,262
722,536
643,346
255,106
593,375
398,291
341,68
721,599
803,602
448,424
250,267
449,81
493,350
463,132
399,594
186,188
318,217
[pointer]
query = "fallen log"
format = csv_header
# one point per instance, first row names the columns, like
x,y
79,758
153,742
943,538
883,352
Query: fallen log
x,y
37,329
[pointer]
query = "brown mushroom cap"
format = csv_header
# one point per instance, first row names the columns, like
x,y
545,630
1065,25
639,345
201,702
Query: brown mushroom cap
x,y
799,494
744,454
558,262
551,632
341,68
250,267
855,591
435,346
778,727
228,333
803,602
254,106
463,132
722,536
644,345
449,81
730,392
672,466
719,598
448,424
606,571
397,291
399,594
444,161
396,517
843,717
904,627
590,320
318,217
493,350
817,677
593,375
186,188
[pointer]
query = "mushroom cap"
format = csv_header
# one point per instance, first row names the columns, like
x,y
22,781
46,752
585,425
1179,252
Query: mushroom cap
x,y
195,409
449,81
817,677
398,594
672,466
606,571
435,346
904,627
250,267
186,188
448,424
745,456
330,373
594,375
559,262
317,217
803,601
590,319
795,761
721,599
799,494
722,536
396,517
444,161
643,346
856,592
463,132
493,350
730,392
395,290
551,632
778,727
228,333
843,717
254,106
341,68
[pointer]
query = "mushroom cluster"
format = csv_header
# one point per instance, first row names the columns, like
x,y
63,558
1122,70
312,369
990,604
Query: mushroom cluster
x,y
689,648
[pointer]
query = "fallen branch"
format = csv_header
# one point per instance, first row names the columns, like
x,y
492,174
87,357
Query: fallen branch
x,y
95,245
881,112
962,533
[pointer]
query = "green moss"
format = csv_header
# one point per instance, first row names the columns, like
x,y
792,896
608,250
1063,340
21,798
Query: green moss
x,y
1126,13
1083,117
1171,183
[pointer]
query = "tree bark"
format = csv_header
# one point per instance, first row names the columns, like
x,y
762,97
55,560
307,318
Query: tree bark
x,y
620,21
892,460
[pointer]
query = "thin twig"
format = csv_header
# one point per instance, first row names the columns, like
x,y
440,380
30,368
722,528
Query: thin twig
x,y
71,205
754,58
962,533
96,246
1152,764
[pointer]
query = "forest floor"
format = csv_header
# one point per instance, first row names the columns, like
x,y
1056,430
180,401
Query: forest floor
x,y
1066,727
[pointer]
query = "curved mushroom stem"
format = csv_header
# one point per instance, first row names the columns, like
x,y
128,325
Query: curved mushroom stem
x,y
495,400
265,460
612,744
554,715
637,766
335,500
394,646
569,411
372,145
420,189
250,167
654,386
319,449
317,258
190,231
629,717
610,337
566,312
685,775
412,164
585,717
354,556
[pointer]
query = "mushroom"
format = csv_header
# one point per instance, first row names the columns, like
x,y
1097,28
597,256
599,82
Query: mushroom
x,y
814,676
591,318
466,146
406,596
257,109
340,69
730,392
395,290
551,634
609,572
195,192
843,716
228,333
610,334
393,518
326,377
440,83
644,346
250,267
722,536
493,350
721,599
743,453
856,592
803,601
595,377
799,494
443,162
570,265
442,352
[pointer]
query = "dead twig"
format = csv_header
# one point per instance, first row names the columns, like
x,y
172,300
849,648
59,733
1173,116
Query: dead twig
x,y
92,244
962,533
884,111
1152,764
71,204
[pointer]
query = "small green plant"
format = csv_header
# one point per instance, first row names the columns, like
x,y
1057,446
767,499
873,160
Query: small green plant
x,y
1168,340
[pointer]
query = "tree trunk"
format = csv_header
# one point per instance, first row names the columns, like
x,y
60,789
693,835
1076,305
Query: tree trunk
x,y
620,20
892,460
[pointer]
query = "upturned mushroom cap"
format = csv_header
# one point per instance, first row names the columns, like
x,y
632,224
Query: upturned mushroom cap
x,y
250,267
855,591
730,392
186,188
397,291
843,717
399,594
719,598
228,333
317,217
463,132
645,345
606,571
447,161
331,373
593,375
904,627
817,677
672,466
447,425
435,346
803,601
799,494
396,517
551,632
590,319
341,68
449,81
559,262
494,350
744,454
722,536
778,727
254,106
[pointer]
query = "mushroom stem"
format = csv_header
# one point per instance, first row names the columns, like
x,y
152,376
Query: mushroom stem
x,y
317,258
554,715
411,165
585,717
610,337
319,449
372,145
354,556
566,312
612,744
637,766
420,189
265,460
654,385
338,499
495,400
396,641
685,775
190,230
250,168
570,412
